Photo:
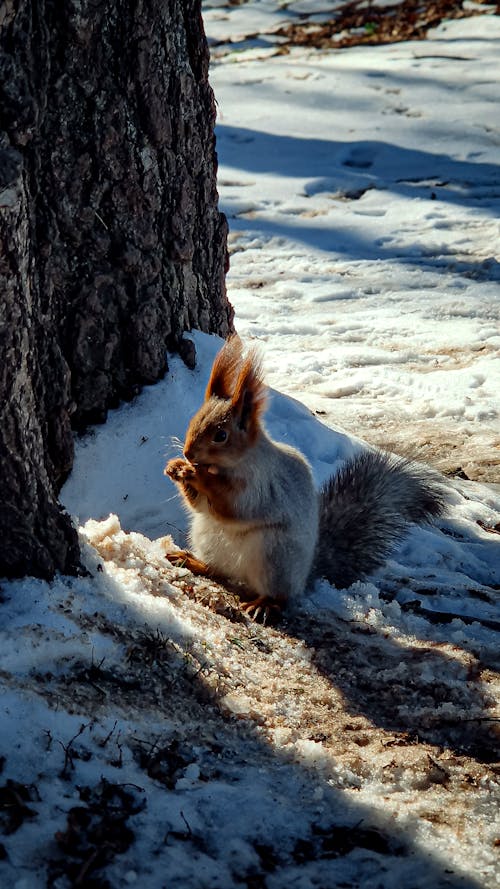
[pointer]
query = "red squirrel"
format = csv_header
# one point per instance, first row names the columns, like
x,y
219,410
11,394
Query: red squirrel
x,y
256,517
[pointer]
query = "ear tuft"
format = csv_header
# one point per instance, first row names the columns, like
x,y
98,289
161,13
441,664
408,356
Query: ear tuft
x,y
249,398
225,369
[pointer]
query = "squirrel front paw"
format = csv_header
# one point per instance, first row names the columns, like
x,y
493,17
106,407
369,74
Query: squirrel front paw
x,y
179,470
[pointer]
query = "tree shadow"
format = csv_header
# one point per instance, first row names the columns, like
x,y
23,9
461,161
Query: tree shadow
x,y
347,171
258,815
375,164
354,245
424,690
422,657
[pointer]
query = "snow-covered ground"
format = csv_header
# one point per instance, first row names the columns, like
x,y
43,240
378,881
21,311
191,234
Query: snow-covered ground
x,y
363,195
152,735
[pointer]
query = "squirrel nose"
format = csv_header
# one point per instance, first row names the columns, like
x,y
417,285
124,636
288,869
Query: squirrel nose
x,y
188,453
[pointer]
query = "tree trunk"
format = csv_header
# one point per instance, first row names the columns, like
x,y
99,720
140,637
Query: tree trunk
x,y
111,242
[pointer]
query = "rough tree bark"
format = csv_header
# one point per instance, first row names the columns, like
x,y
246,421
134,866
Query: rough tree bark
x,y
111,242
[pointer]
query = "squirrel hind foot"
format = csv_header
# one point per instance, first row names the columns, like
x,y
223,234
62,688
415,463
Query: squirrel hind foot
x,y
184,559
261,608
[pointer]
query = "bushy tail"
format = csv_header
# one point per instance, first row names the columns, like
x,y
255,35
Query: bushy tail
x,y
365,511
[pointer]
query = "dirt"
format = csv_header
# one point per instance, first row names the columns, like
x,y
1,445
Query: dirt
x,y
359,23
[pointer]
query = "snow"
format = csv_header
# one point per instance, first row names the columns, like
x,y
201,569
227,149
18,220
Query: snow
x,y
362,191
353,745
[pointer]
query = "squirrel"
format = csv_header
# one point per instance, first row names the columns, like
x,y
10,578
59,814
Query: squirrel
x,y
256,518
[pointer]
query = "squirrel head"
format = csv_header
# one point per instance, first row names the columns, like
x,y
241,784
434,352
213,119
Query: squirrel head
x,y
228,423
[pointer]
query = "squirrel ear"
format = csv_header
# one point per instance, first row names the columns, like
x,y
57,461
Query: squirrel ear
x,y
249,399
225,369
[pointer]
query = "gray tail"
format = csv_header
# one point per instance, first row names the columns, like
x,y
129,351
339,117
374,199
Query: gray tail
x,y
365,511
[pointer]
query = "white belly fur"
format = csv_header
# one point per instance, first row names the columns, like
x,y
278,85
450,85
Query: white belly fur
x,y
272,551
236,554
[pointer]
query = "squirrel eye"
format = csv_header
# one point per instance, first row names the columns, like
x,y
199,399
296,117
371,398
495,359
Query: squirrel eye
x,y
220,436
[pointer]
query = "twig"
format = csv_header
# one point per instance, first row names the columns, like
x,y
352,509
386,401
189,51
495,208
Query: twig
x,y
108,736
68,759
190,832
